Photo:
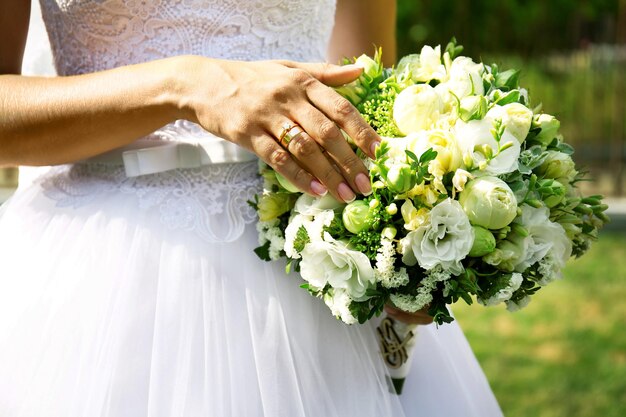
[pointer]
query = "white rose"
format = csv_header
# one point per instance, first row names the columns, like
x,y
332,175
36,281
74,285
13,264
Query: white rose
x,y
331,262
516,118
416,108
310,206
444,240
489,202
476,141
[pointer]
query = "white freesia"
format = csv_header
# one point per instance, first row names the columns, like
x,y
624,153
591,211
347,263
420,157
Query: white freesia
x,y
449,156
430,66
504,294
331,262
460,178
338,301
310,206
465,78
515,117
444,240
475,137
416,108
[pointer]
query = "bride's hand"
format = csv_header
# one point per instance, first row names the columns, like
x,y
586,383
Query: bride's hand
x,y
249,102
419,317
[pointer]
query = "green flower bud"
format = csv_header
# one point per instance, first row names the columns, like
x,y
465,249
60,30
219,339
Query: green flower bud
x,y
484,242
273,205
552,192
549,128
488,202
355,216
400,178
374,203
391,209
473,108
389,232
286,184
559,166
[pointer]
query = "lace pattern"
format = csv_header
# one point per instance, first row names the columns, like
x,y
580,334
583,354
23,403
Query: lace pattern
x,y
93,35
209,201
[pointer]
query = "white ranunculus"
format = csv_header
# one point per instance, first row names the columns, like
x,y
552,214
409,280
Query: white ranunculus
x,y
331,262
338,301
310,206
445,240
515,117
549,128
475,137
489,202
416,108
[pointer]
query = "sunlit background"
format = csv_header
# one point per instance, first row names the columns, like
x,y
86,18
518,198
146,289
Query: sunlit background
x,y
565,355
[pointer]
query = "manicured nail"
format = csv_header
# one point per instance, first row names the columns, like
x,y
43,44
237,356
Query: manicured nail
x,y
373,148
363,184
318,188
346,193
355,65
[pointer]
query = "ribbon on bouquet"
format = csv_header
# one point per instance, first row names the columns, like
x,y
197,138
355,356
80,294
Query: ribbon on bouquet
x,y
396,342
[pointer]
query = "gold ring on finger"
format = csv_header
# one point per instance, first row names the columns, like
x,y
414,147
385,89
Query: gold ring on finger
x,y
290,134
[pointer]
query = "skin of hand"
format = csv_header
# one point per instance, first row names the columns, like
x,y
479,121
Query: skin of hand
x,y
419,317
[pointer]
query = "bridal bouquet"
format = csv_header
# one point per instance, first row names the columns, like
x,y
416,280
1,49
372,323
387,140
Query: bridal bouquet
x,y
474,197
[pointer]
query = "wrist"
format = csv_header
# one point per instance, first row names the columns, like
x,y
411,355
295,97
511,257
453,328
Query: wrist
x,y
179,86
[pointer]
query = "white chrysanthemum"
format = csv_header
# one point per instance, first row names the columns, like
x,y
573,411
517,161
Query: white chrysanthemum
x,y
338,301
291,231
506,293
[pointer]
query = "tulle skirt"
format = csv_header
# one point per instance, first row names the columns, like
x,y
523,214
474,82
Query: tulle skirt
x,y
107,312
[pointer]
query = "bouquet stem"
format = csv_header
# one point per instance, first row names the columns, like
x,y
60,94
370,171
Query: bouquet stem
x,y
396,341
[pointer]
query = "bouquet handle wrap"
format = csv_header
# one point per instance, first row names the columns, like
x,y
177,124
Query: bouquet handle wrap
x,y
396,341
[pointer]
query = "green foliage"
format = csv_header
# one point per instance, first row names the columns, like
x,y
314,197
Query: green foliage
x,y
302,238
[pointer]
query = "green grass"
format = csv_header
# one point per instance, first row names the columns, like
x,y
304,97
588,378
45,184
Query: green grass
x,y
565,354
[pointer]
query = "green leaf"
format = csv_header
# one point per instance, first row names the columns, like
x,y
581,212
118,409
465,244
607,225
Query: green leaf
x,y
508,79
302,238
263,251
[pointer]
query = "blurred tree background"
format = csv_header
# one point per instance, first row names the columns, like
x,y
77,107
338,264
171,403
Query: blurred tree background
x,y
573,60
565,354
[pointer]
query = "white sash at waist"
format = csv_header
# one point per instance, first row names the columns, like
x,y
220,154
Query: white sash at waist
x,y
144,157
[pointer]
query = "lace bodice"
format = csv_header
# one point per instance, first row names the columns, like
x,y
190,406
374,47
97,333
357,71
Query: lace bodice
x,y
92,35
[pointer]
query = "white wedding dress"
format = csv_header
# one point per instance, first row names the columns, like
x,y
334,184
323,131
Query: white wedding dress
x,y
141,296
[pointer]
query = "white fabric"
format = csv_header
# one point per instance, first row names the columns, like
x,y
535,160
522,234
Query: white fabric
x,y
141,297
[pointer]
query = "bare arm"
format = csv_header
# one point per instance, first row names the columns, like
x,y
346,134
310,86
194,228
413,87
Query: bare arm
x,y
362,24
62,119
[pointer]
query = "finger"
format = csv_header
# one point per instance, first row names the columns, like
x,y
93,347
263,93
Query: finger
x,y
282,162
328,135
345,115
308,154
329,74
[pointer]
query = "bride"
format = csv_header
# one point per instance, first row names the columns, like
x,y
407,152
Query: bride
x,y
129,284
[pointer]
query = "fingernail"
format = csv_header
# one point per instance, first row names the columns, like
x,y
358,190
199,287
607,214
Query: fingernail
x,y
346,193
355,65
373,148
363,184
318,188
